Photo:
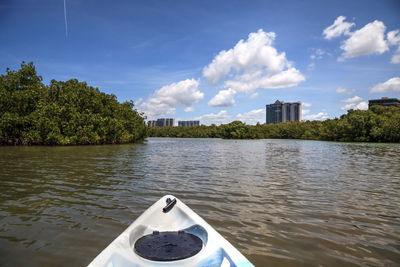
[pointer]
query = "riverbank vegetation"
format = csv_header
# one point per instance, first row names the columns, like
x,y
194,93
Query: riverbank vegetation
x,y
71,113
62,113
379,124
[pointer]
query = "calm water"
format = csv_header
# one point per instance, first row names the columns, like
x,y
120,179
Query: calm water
x,y
280,202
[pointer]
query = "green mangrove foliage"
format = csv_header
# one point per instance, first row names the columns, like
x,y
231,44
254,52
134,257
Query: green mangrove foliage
x,y
63,113
379,124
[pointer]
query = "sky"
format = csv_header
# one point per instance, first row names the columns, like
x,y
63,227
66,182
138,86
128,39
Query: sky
x,y
213,61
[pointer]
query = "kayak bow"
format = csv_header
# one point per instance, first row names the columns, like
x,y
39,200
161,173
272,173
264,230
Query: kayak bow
x,y
169,233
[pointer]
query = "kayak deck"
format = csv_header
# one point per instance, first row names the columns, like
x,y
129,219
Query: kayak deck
x,y
158,236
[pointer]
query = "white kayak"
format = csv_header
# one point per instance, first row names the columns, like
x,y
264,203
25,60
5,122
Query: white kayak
x,y
169,233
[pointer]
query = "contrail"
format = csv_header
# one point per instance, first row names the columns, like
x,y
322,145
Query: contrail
x,y
65,19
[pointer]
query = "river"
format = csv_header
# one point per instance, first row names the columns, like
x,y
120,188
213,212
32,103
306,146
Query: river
x,y
280,202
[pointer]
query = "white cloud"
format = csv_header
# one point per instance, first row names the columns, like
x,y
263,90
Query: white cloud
x,y
319,116
352,99
394,39
338,28
354,103
391,85
342,90
182,93
365,41
152,109
224,98
251,81
252,117
396,57
189,109
253,63
305,111
221,117
368,40
362,105
254,95
318,54
306,104
164,100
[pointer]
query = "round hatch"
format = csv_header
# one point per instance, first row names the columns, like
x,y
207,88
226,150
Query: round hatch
x,y
168,246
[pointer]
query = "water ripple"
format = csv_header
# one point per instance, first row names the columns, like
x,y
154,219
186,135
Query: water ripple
x,y
281,202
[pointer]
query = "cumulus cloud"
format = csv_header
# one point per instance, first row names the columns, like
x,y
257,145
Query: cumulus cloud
x,y
354,103
252,117
305,112
394,39
362,105
251,81
338,28
224,98
251,64
391,85
352,99
182,93
319,116
221,117
370,39
306,104
165,99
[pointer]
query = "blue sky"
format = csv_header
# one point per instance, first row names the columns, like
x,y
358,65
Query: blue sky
x,y
216,61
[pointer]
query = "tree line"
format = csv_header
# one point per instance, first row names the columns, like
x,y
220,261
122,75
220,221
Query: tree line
x,y
378,124
62,113
72,113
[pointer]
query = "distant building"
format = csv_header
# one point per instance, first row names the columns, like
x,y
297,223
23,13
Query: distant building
x,y
161,122
152,123
384,101
188,123
165,122
283,112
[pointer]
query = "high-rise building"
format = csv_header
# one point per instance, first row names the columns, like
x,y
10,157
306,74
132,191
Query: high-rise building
x,y
188,123
161,122
384,101
152,123
283,112
165,122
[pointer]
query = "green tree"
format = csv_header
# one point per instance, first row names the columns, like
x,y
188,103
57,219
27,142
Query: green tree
x,y
65,113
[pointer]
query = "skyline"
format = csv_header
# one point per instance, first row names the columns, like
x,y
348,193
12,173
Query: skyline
x,y
213,62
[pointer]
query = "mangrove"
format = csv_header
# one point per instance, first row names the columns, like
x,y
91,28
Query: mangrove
x,y
63,113
378,124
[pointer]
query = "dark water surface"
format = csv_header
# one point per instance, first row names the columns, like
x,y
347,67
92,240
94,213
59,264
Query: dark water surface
x,y
280,202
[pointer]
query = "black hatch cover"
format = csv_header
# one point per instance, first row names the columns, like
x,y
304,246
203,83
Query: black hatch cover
x,y
168,246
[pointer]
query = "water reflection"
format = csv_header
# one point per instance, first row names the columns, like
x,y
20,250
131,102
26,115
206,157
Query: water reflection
x,y
283,202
